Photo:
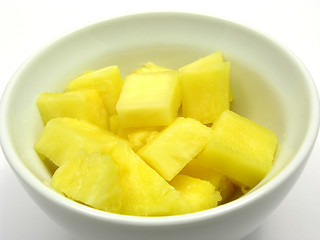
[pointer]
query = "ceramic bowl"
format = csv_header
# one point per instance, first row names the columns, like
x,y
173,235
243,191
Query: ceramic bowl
x,y
270,85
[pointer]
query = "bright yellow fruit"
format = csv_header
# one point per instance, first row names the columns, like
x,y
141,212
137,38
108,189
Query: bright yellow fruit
x,y
159,158
91,179
114,124
221,183
214,58
107,81
170,150
84,104
209,60
205,92
144,191
149,99
138,137
200,194
62,138
239,149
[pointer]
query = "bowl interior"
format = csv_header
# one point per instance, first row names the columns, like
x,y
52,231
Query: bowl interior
x,y
268,84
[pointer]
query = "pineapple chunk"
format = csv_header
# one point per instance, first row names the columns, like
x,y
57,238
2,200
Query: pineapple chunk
x,y
200,194
151,67
214,58
85,104
239,149
91,179
107,81
211,59
221,183
149,99
205,92
62,138
138,137
170,150
144,192
114,124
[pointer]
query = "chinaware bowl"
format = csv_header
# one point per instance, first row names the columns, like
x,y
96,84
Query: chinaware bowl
x,y
270,86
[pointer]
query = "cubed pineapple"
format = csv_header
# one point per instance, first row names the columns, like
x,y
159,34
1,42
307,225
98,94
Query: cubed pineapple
x,y
107,81
149,99
151,67
144,191
170,150
91,179
84,104
62,138
205,92
200,194
214,58
240,149
209,60
138,137
114,124
221,183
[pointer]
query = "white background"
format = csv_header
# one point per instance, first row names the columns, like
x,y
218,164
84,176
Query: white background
x,y
27,25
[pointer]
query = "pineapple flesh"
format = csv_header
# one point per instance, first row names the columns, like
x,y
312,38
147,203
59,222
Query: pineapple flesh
x,y
144,191
200,194
144,147
62,138
84,104
149,99
170,150
138,137
107,81
205,92
214,58
114,124
209,60
240,149
221,183
91,179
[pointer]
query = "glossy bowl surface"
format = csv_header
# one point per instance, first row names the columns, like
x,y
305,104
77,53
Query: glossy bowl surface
x,y
270,85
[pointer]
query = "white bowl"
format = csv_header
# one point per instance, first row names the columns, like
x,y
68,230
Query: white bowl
x,y
271,86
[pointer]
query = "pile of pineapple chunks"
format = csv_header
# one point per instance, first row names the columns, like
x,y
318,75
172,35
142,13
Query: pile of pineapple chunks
x,y
160,142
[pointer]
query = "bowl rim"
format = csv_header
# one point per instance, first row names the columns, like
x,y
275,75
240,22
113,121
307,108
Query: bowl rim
x,y
29,179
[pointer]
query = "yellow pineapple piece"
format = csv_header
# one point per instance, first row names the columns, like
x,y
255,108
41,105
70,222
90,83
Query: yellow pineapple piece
x,y
170,150
214,58
62,138
138,137
149,99
209,60
144,191
91,179
151,67
107,81
200,194
114,124
85,104
240,149
221,183
205,92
